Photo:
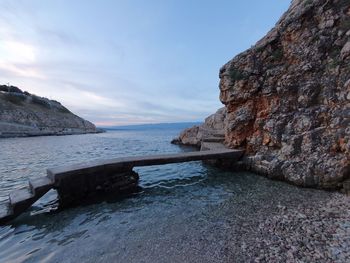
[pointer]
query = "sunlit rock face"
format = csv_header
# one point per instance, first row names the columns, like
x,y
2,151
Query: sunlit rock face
x,y
288,97
24,114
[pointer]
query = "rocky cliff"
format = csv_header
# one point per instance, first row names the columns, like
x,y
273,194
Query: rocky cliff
x,y
287,98
23,114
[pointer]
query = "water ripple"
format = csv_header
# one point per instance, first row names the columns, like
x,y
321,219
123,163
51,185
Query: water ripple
x,y
172,205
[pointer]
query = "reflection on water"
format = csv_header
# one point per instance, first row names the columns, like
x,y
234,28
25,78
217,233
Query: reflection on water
x,y
173,214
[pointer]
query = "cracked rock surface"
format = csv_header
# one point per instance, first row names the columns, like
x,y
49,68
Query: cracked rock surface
x,y
287,98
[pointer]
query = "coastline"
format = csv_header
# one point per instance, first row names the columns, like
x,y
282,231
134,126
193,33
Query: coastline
x,y
284,105
62,132
231,217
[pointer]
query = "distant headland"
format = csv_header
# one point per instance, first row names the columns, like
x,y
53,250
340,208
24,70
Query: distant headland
x,y
23,114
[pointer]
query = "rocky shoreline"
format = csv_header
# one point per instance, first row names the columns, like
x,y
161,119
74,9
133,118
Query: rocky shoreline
x,y
301,225
25,115
287,99
307,234
11,130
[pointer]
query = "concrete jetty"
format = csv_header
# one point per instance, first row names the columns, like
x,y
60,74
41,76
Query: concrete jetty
x,y
75,183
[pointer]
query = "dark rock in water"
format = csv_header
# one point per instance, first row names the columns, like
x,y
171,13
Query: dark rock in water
x,y
23,114
287,99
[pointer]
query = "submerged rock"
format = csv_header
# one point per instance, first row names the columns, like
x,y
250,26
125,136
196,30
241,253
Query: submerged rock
x,y
287,99
24,114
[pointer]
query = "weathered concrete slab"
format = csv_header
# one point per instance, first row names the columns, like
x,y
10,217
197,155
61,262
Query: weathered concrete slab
x,y
6,212
213,139
78,182
21,199
217,134
40,185
222,163
20,195
213,146
58,173
81,187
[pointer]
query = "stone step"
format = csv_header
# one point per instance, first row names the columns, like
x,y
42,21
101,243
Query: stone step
x,y
21,199
6,212
208,146
40,186
213,139
220,135
212,132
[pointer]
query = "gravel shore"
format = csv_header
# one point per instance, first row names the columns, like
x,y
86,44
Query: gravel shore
x,y
221,218
263,221
317,233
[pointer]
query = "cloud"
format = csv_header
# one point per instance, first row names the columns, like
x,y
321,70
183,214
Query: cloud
x,y
15,51
17,70
122,62
99,101
56,37
108,79
82,100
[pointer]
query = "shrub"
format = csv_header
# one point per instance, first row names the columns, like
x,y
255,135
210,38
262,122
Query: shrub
x,y
236,74
6,88
260,49
41,102
307,2
277,54
15,98
63,110
334,53
343,3
344,24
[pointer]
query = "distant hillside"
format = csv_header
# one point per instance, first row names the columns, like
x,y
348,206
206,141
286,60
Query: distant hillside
x,y
156,126
24,114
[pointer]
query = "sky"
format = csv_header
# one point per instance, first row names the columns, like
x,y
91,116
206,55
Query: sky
x,y
118,62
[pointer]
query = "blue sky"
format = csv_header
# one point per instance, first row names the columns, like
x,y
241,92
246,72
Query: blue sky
x,y
129,61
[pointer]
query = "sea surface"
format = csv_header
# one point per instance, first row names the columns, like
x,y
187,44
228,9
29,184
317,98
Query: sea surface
x,y
187,212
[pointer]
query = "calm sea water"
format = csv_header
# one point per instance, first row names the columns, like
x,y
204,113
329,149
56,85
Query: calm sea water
x,y
183,214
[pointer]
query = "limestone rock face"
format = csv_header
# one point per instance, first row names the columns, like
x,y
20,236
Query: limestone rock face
x,y
213,127
23,114
288,97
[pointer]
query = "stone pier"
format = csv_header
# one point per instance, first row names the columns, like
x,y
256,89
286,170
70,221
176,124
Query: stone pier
x,y
85,185
79,182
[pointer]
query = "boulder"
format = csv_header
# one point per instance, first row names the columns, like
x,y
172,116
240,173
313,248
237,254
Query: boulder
x,y
213,126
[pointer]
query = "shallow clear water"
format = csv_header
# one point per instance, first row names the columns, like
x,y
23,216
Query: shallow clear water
x,y
22,158
183,214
